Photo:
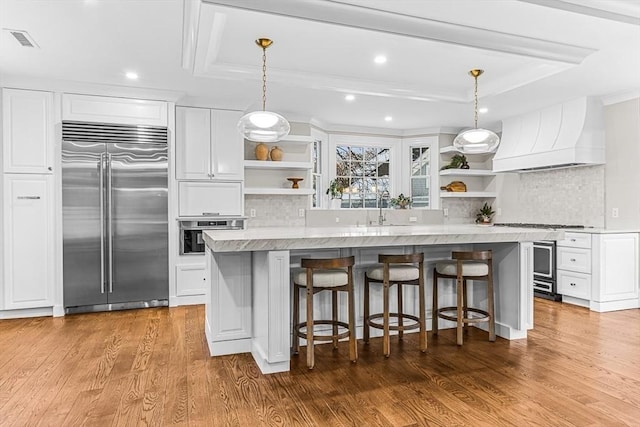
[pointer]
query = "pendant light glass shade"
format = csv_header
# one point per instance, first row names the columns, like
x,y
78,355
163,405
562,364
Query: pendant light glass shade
x,y
263,126
476,140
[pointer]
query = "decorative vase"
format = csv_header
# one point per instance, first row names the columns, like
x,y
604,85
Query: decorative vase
x,y
262,151
335,203
465,165
276,154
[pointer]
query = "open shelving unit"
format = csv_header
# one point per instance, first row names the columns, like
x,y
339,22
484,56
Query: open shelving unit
x,y
480,183
270,177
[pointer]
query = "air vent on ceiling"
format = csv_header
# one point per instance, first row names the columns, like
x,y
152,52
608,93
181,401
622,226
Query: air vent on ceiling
x,y
23,38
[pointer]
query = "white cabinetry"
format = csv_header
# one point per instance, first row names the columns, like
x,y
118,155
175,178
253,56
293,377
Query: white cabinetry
x,y
27,131
615,271
197,199
599,271
28,242
270,177
102,109
208,145
479,178
191,279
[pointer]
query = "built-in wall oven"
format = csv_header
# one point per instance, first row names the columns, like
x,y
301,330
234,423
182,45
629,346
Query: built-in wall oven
x,y
191,239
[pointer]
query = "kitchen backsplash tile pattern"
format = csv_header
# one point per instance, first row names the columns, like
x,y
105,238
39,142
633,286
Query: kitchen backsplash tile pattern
x,y
461,211
572,196
275,210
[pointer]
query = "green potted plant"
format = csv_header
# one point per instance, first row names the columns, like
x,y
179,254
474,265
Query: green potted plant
x,y
458,161
401,202
484,214
335,190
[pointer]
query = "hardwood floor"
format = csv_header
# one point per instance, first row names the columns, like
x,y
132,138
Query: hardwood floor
x,y
151,367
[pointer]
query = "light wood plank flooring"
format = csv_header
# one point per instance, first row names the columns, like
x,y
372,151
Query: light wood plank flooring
x,y
151,367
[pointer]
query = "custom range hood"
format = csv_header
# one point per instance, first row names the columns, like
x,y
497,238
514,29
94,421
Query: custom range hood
x,y
565,135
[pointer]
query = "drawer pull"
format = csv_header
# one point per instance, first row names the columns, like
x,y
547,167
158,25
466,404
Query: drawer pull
x,y
210,213
28,197
573,240
573,260
572,284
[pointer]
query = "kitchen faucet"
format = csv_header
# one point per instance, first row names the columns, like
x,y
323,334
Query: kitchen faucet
x,y
383,196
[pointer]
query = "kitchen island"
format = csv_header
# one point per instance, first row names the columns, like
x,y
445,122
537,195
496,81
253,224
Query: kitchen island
x,y
249,292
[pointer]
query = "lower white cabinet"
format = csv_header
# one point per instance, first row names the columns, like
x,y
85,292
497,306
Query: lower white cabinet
x,y
28,241
577,285
210,199
615,271
599,270
190,279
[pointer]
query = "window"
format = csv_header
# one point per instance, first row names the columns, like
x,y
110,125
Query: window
x,y
316,172
420,176
364,172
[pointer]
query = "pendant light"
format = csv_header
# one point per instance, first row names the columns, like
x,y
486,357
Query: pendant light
x,y
476,140
263,126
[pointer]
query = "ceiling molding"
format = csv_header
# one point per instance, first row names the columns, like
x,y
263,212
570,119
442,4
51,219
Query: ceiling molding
x,y
611,11
367,18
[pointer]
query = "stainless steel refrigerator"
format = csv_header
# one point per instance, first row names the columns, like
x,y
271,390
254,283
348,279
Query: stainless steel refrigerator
x,y
114,201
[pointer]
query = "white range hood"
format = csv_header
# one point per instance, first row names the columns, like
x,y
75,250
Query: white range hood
x,y
569,134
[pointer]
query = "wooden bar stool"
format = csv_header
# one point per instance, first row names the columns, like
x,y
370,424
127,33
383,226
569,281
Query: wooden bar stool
x,y
463,266
317,275
400,270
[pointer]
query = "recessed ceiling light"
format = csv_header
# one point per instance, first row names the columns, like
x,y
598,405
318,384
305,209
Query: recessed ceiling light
x,y
380,59
388,118
349,97
483,110
131,75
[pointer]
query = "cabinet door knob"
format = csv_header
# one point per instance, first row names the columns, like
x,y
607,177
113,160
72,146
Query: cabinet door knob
x,y
50,168
573,240
573,260
572,284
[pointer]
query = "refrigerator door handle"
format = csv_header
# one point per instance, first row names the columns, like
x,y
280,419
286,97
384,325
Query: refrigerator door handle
x,y
101,175
110,222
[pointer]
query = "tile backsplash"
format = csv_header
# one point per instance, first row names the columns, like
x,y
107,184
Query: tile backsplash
x,y
572,196
275,210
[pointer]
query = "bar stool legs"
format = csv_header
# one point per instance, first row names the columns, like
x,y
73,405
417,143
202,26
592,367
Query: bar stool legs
x,y
317,275
465,266
398,270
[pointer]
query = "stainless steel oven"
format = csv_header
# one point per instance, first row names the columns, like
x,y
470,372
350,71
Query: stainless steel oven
x,y
544,270
191,239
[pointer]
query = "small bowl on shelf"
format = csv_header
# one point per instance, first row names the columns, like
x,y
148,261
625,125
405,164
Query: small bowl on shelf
x,y
295,181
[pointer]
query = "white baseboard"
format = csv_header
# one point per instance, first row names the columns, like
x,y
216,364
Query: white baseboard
x,y
27,312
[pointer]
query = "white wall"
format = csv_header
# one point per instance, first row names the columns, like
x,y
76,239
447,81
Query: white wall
x,y
622,173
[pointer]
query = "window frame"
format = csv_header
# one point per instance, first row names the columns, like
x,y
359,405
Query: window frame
x,y
379,141
432,142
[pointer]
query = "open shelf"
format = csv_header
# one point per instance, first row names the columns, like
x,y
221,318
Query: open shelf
x,y
280,191
267,164
303,139
469,194
467,172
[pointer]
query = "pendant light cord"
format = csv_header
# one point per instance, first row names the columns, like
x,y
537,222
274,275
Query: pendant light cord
x,y
475,105
264,78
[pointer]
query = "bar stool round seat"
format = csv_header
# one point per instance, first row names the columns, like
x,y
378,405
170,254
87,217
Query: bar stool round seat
x,y
317,275
475,266
399,270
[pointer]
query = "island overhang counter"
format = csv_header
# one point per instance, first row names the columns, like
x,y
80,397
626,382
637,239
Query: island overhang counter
x,y
248,302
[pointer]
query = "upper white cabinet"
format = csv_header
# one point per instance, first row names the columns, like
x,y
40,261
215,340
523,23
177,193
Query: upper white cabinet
x,y
28,242
210,199
103,109
27,130
208,145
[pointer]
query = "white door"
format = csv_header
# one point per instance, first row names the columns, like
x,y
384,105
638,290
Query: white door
x,y
28,241
227,153
28,132
193,143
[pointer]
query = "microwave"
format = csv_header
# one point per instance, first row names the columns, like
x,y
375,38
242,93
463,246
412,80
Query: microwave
x,y
191,239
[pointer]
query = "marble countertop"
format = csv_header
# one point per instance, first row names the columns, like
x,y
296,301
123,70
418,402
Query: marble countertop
x,y
599,230
287,238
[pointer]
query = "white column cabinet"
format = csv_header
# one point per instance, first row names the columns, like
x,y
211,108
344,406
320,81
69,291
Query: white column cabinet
x,y
28,242
28,131
208,145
